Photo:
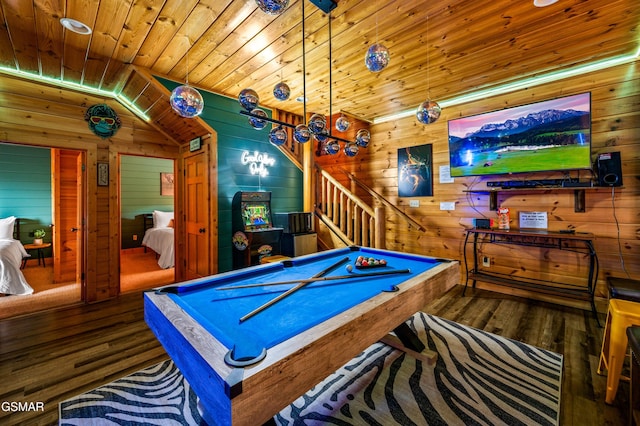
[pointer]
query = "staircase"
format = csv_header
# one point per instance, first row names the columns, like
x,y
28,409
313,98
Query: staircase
x,y
346,215
343,219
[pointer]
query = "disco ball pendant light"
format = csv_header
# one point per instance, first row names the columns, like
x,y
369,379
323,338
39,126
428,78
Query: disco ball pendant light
x,y
428,111
272,7
186,100
377,56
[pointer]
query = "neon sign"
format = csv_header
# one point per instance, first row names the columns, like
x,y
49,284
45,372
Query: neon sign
x,y
258,162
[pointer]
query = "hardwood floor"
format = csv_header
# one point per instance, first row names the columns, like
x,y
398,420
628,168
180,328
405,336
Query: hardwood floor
x,y
51,356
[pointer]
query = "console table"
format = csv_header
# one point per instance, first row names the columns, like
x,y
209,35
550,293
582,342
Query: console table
x,y
577,242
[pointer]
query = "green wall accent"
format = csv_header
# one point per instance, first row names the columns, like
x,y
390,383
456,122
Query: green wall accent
x,y
235,135
140,194
25,188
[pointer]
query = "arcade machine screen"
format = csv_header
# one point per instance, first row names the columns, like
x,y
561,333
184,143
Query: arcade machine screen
x,y
256,215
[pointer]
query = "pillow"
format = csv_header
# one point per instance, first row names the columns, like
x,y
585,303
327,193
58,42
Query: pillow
x,y
171,224
161,219
6,227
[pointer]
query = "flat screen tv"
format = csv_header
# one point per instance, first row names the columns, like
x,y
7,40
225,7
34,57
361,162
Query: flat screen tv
x,y
544,136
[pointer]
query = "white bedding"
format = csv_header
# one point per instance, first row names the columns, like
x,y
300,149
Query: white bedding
x,y
12,280
161,241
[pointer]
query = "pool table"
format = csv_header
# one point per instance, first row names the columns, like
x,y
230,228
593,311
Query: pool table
x,y
247,357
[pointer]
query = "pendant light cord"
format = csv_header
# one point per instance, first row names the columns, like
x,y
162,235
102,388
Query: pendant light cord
x,y
376,21
428,64
187,79
330,79
304,71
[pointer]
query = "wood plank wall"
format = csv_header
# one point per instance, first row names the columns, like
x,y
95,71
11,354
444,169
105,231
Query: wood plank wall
x,y
615,127
35,114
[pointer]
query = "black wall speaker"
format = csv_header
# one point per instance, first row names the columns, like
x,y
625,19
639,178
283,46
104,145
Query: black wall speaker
x,y
609,169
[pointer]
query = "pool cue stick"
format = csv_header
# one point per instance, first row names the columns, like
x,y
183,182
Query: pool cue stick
x,y
331,268
292,289
272,301
311,280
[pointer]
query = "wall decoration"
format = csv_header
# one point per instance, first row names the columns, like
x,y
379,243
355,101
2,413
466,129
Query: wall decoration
x,y
414,171
103,174
103,121
258,162
166,184
240,240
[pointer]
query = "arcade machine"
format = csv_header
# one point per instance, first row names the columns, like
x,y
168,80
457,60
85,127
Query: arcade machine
x,y
254,235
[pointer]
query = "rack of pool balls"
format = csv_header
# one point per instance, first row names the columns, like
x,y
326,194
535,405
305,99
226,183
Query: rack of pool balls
x,y
369,262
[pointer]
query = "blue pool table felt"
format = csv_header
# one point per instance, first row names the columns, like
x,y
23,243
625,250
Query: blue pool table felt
x,y
219,311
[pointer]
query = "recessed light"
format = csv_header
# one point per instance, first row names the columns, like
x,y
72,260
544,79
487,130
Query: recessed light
x,y
75,26
543,3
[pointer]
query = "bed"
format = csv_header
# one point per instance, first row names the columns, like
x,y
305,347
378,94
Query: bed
x,y
12,281
159,237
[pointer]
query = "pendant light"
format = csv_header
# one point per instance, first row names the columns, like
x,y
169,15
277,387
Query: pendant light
x,y
428,111
272,7
316,127
186,100
342,123
377,56
281,90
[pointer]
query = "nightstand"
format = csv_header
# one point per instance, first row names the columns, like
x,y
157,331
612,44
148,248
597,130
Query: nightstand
x,y
39,248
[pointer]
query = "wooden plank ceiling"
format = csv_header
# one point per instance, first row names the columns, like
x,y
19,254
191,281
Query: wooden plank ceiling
x,y
438,48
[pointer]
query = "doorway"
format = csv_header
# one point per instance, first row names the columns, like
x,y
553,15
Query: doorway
x,y
45,189
147,239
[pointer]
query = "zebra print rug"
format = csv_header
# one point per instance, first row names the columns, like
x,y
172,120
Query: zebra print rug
x,y
478,379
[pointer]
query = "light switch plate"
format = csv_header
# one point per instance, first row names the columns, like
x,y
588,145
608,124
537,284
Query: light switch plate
x,y
447,205
414,203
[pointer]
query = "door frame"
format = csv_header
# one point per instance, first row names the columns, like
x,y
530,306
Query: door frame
x,y
176,196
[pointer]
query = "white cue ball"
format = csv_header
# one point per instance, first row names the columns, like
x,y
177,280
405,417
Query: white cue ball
x,y
349,268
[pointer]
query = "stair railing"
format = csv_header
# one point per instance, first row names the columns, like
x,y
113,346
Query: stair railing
x,y
381,199
346,214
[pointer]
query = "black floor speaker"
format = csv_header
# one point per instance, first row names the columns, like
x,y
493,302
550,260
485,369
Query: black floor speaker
x,y
609,169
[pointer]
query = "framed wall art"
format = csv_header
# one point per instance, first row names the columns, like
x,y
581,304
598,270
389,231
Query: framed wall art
x,y
103,174
415,171
166,184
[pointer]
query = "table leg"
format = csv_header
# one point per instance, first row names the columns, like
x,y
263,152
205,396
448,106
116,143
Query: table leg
x,y
466,265
407,341
594,270
408,337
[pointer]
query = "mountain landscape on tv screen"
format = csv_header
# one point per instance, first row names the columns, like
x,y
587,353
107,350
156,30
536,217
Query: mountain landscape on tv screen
x,y
539,123
551,120
560,138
